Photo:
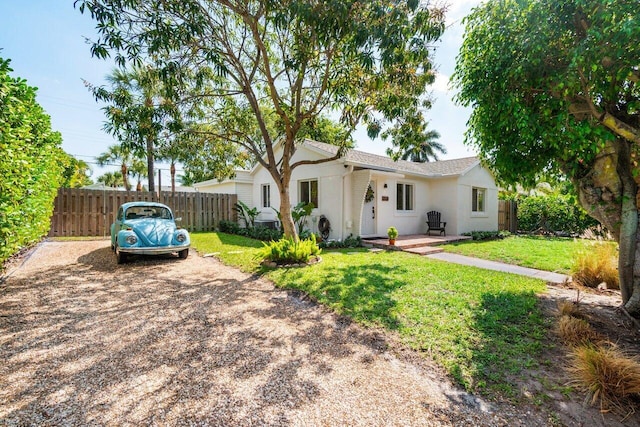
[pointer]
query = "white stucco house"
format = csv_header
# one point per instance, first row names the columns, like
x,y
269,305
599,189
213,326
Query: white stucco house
x,y
464,192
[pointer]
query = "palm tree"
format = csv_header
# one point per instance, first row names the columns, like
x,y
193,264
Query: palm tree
x,y
111,179
139,171
118,154
137,111
427,150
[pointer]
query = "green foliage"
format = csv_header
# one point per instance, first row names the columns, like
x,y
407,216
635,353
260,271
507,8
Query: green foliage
x,y
258,233
349,242
248,214
487,235
76,173
141,114
32,165
289,250
540,74
555,213
392,232
299,213
230,227
422,150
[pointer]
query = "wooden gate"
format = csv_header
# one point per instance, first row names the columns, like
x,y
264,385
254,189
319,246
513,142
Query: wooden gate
x,y
79,212
508,215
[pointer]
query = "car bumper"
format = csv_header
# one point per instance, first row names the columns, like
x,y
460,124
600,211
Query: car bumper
x,y
152,251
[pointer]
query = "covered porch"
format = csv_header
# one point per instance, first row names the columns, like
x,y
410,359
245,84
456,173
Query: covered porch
x,y
420,244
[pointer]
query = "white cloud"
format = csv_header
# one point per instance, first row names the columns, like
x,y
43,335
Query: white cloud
x,y
441,85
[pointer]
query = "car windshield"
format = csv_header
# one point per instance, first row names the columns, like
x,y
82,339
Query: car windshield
x,y
136,212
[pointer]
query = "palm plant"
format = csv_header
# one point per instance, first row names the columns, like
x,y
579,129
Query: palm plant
x,y
138,110
139,171
427,150
118,154
111,179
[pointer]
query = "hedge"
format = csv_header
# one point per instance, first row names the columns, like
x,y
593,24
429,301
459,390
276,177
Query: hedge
x,y
555,213
32,165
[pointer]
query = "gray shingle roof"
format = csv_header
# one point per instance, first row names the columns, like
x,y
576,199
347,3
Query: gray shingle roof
x,y
452,167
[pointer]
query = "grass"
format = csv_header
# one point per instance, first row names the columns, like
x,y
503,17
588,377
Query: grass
x,y
543,253
482,326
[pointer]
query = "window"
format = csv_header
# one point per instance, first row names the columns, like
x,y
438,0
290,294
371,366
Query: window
x,y
404,197
309,192
477,199
266,195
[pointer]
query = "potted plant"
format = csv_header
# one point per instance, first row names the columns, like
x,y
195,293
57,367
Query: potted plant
x,y
392,232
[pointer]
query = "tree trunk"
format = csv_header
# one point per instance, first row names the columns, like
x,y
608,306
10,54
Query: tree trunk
x,y
125,179
150,171
288,226
173,177
608,193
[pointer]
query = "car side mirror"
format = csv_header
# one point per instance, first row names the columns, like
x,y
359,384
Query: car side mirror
x,y
178,219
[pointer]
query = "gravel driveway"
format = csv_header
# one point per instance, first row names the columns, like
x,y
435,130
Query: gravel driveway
x,y
84,341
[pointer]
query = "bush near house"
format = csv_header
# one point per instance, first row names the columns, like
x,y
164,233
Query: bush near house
x,y
553,213
259,233
32,165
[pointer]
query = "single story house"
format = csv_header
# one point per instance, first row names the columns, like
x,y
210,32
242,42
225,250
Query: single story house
x,y
364,194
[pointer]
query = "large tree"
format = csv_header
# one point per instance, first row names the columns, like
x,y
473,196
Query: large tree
x,y
554,87
365,61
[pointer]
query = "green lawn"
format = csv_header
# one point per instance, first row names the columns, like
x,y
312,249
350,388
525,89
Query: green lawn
x,y
544,253
482,326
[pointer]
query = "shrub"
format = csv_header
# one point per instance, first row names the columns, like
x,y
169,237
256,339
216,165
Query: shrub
x,y
259,233
487,235
607,375
230,227
555,213
289,251
576,331
392,232
349,242
32,165
596,265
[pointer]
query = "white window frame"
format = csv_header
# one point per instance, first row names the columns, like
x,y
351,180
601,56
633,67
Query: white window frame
x,y
478,200
308,182
265,201
403,200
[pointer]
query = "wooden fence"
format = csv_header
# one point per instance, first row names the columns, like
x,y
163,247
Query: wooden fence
x,y
79,212
508,215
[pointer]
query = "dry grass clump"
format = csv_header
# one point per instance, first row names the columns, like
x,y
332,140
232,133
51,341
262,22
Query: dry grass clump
x,y
577,332
568,308
597,366
597,265
607,375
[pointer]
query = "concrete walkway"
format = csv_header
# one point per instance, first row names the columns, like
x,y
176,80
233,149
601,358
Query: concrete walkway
x,y
499,266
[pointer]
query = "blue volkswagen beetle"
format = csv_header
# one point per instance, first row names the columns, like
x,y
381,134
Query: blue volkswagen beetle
x,y
147,228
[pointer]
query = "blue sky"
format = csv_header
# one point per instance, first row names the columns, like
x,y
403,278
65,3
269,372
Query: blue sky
x,y
45,40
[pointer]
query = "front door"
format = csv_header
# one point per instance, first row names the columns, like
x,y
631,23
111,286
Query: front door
x,y
369,211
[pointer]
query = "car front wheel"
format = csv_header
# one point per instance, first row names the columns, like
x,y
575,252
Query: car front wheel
x,y
183,254
121,258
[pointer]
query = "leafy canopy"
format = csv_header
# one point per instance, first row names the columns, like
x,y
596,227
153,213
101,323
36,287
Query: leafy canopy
x,y
549,82
240,61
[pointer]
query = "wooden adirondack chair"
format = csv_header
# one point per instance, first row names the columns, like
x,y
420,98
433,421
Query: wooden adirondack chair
x,y
434,223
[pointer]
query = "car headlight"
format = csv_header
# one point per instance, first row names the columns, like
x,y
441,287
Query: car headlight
x,y
131,239
181,237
